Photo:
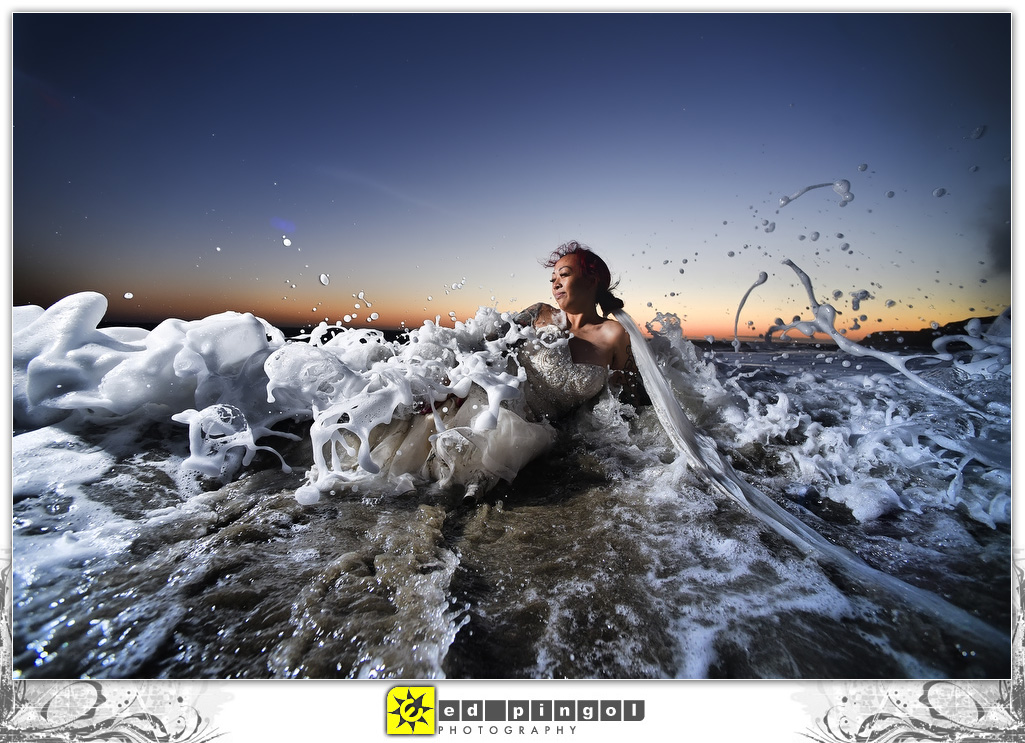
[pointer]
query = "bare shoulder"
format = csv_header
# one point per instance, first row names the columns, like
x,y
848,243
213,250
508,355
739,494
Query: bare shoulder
x,y
614,331
618,340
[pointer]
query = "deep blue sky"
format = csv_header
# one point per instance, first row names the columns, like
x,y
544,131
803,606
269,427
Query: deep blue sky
x,y
431,160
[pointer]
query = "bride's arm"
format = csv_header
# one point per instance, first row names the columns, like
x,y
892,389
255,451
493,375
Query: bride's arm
x,y
530,316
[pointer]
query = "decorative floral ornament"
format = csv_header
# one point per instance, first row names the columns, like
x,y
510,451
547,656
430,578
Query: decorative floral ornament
x,y
87,710
72,711
956,711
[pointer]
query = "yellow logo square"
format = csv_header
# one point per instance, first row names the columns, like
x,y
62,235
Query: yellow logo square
x,y
411,710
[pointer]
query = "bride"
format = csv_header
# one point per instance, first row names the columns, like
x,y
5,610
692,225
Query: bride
x,y
564,357
561,377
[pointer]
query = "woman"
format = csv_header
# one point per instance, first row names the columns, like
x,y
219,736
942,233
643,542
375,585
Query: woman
x,y
576,353
562,377
488,430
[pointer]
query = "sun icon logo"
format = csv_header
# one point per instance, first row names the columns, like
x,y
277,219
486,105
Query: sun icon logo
x,y
411,710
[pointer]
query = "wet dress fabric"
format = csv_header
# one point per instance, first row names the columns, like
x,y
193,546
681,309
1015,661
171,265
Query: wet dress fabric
x,y
459,455
556,386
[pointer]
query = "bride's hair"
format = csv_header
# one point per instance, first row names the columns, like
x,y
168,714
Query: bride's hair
x,y
592,265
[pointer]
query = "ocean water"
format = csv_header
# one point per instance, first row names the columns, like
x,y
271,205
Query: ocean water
x,y
201,500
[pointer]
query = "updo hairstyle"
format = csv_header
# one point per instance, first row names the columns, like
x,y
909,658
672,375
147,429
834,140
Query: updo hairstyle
x,y
592,265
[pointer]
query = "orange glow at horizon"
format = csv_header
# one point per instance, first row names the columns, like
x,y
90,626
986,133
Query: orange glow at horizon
x,y
390,317
312,303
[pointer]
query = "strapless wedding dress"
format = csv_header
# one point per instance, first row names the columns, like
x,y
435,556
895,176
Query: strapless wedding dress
x,y
556,385
456,454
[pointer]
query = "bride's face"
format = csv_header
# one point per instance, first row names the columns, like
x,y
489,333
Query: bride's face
x,y
571,289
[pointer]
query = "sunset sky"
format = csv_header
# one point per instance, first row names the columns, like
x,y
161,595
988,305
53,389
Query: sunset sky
x,y
186,164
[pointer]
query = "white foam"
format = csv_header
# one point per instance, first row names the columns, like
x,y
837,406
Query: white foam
x,y
703,457
52,460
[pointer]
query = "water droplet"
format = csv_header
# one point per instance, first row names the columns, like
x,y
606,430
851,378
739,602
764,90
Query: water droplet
x,y
129,295
814,236
218,248
889,194
286,242
939,192
374,316
863,167
973,169
325,279
979,131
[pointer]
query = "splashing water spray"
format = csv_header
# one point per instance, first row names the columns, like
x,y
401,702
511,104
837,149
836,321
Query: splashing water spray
x,y
762,278
703,457
842,188
825,320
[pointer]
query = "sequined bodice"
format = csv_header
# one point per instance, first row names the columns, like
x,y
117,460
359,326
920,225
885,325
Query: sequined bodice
x,y
555,384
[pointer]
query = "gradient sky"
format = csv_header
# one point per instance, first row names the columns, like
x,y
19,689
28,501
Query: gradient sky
x,y
203,162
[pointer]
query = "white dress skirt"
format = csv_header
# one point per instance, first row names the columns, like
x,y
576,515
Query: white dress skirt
x,y
458,453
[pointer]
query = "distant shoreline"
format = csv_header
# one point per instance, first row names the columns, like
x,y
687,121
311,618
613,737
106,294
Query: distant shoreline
x,y
883,340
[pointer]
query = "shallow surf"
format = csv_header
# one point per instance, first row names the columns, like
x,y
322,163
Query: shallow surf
x,y
610,556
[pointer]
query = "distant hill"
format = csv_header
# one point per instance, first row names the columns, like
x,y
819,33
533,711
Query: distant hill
x,y
890,340
884,340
